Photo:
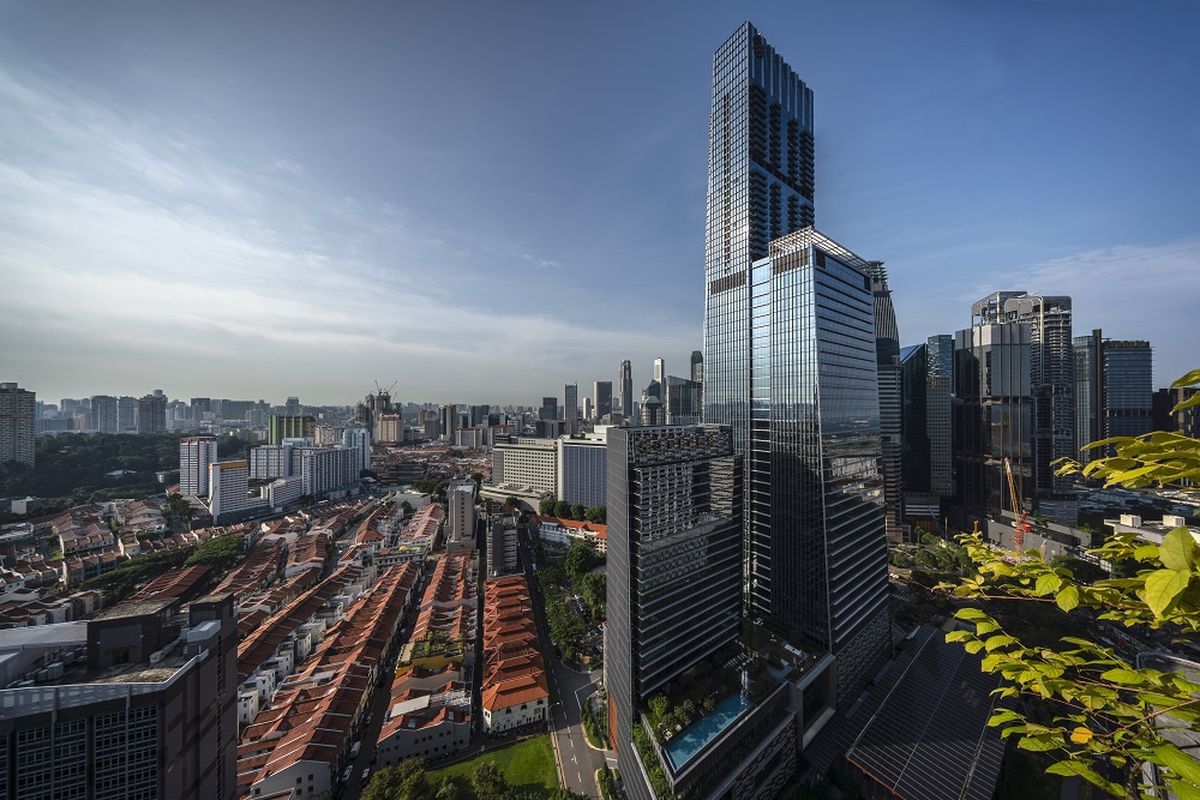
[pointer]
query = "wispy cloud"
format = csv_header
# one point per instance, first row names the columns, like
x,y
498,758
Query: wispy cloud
x,y
132,236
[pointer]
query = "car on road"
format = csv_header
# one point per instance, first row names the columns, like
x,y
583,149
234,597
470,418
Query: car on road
x,y
346,773
366,777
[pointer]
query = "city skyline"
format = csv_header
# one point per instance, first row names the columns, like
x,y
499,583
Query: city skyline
x,y
315,200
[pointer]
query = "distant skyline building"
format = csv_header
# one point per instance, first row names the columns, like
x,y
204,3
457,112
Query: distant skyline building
x,y
887,365
625,384
152,413
582,470
1165,418
526,462
696,373
571,409
291,406
652,404
674,566
994,409
17,424
283,427
682,402
939,413
602,397
1114,389
919,501
549,408
196,453
127,408
660,370
359,440
104,414
448,422
1052,378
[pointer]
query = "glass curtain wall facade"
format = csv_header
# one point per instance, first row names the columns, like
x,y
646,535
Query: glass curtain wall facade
x,y
887,364
816,549
1128,387
625,384
1088,386
915,450
674,563
939,411
994,414
760,186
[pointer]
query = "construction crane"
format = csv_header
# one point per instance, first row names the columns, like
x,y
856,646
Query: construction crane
x,y
1021,526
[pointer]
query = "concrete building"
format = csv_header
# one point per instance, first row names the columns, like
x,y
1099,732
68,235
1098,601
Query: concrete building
x,y
502,545
139,701
359,440
326,470
571,409
127,408
561,533
152,413
548,409
17,424
196,453
660,370
460,502
271,461
448,422
674,565
526,462
582,471
229,491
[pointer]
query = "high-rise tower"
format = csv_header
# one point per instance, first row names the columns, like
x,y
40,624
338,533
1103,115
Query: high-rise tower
x,y
760,187
887,363
625,384
571,408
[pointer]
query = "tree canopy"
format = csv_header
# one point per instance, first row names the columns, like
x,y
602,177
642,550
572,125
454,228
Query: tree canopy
x,y
1101,716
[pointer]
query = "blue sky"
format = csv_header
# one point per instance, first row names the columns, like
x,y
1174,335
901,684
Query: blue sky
x,y
484,201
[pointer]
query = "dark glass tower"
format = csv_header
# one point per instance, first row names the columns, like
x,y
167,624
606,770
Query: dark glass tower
x,y
625,385
887,363
816,550
674,564
760,187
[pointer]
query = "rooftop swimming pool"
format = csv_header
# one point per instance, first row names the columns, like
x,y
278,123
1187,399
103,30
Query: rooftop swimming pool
x,y
696,736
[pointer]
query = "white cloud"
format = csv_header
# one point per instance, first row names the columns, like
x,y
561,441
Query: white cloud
x,y
133,255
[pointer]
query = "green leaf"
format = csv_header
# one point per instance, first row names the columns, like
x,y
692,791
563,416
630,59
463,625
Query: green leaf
x,y
1048,583
1039,744
958,636
1002,716
999,640
1125,677
970,614
1163,587
1178,761
983,627
1071,768
1184,405
1177,551
1190,379
1067,598
973,647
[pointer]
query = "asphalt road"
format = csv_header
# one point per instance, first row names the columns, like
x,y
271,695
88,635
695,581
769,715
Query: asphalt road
x,y
577,761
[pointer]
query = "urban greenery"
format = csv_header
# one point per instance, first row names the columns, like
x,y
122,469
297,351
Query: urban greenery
x,y
607,780
564,510
123,581
526,768
76,465
646,753
218,553
1106,717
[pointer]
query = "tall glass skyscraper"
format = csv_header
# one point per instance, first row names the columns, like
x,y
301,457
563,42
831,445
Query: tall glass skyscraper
x,y
1113,389
790,367
887,362
760,187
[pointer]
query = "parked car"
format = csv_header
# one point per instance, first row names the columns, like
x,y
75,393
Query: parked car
x,y
366,777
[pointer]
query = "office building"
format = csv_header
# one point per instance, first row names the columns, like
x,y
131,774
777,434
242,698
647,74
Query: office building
x,y
17,424
292,407
138,702
1052,378
625,385
993,409
548,409
448,422
674,565
104,414
682,404
152,413
571,409
290,427
660,371
200,407
1114,392
816,548
127,408
589,410
652,404
939,409
602,392
479,416
196,453
582,469
526,462
1166,418
760,187
696,373
359,440
914,434
887,366
460,510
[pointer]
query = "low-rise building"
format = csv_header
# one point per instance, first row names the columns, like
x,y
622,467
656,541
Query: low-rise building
x,y
559,532
515,689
